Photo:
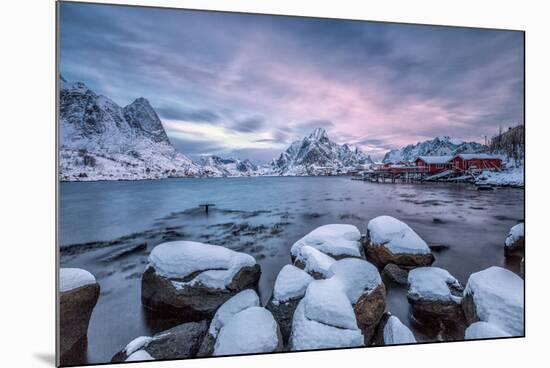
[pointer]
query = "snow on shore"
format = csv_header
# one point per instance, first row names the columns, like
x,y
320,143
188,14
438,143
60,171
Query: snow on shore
x,y
291,283
507,177
395,332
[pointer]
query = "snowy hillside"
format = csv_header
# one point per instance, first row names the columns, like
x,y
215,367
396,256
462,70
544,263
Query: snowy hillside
x,y
316,154
439,146
217,166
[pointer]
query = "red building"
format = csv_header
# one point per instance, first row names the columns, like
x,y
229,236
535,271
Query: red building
x,y
434,164
476,161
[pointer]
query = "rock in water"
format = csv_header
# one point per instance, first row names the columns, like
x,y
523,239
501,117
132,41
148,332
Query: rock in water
x,y
243,300
290,287
78,294
435,297
392,241
515,241
180,342
495,295
250,331
391,331
393,274
336,240
314,262
192,280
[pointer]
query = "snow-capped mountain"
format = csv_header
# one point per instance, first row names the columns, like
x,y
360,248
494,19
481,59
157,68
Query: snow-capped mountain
x,y
439,146
99,140
316,154
217,166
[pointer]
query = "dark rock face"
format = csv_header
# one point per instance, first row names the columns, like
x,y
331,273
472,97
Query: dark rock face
x,y
469,309
381,256
516,248
369,309
192,303
283,313
393,274
180,342
207,346
75,310
141,115
378,336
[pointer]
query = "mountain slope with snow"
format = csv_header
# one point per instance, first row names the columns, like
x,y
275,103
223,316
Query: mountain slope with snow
x,y
439,146
99,140
217,166
316,154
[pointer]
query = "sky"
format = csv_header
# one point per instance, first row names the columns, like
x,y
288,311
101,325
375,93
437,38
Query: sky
x,y
246,86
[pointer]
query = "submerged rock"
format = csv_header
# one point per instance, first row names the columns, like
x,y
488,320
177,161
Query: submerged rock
x,y
393,241
495,295
180,342
391,331
435,297
290,287
78,294
192,280
515,241
336,240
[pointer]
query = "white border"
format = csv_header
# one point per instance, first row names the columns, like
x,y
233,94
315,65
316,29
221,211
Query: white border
x,y
27,187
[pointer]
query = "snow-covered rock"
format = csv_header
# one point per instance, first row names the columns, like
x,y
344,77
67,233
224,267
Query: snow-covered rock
x,y
435,297
314,262
391,331
309,334
180,342
336,240
78,295
495,295
99,140
515,241
243,300
483,330
439,146
290,286
252,330
193,279
509,176
316,154
393,241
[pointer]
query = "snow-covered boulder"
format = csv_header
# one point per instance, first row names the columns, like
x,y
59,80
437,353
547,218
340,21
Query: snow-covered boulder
x,y
342,310
495,295
252,330
391,331
435,297
243,300
290,287
308,333
314,262
483,330
192,280
180,342
393,241
515,241
336,240
78,294
365,290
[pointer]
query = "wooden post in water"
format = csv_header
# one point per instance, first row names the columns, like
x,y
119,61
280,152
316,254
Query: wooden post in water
x,y
206,205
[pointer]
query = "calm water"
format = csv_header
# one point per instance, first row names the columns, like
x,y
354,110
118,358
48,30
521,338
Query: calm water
x,y
261,216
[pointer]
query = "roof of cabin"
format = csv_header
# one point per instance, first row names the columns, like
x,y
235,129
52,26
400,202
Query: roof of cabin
x,y
435,159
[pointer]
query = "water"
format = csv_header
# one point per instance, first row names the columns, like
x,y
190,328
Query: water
x,y
261,216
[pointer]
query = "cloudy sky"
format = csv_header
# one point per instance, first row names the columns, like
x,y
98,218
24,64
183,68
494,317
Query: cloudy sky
x,y
247,85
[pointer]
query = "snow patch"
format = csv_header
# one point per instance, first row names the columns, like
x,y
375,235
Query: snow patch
x,y
139,356
498,298
333,239
483,330
73,278
515,233
243,300
356,276
432,283
291,283
395,332
315,261
396,236
137,344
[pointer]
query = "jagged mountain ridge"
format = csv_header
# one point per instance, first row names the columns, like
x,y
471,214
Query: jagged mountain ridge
x,y
99,140
439,146
316,154
217,166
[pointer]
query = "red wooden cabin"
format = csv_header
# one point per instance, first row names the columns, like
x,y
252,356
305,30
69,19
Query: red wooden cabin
x,y
476,161
434,164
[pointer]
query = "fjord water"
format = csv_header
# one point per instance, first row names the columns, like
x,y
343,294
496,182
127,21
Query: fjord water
x,y
262,216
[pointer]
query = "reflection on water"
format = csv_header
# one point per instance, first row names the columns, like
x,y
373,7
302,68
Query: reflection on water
x,y
263,217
